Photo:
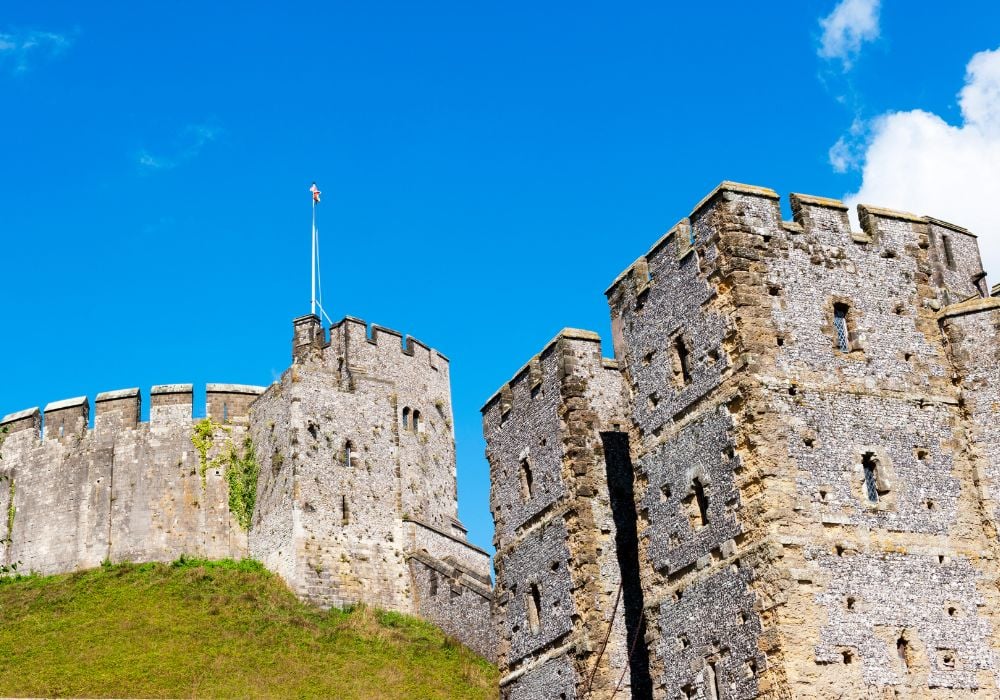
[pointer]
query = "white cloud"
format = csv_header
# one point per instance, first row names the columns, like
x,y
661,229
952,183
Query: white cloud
x,y
19,49
188,144
917,162
847,28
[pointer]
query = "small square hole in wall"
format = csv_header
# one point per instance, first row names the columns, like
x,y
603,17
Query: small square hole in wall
x,y
922,454
952,611
665,493
850,603
848,656
947,659
774,290
647,358
683,641
653,401
780,340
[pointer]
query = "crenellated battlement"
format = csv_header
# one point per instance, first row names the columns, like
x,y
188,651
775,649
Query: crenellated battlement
x,y
532,370
355,334
732,207
122,409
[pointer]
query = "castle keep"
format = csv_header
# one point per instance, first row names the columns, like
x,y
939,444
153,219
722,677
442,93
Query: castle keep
x,y
356,497
785,485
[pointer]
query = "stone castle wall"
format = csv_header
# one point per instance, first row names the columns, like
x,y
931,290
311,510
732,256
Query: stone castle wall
x,y
768,568
356,493
75,496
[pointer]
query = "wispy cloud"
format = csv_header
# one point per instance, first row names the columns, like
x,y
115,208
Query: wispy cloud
x,y
187,145
19,50
916,161
847,28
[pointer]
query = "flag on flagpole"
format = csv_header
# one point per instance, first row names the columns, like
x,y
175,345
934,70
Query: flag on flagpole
x,y
315,193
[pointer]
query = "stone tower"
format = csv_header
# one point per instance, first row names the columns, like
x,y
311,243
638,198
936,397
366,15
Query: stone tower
x,y
356,488
357,498
808,419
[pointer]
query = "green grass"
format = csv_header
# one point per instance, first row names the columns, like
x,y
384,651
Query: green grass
x,y
216,629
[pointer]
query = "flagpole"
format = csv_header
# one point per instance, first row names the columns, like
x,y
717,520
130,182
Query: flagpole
x,y
313,267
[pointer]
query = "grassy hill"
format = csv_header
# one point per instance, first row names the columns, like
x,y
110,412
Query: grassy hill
x,y
215,629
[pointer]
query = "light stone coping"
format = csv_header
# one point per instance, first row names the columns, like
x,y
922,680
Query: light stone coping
x,y
117,394
738,188
26,413
443,533
893,214
568,333
66,403
172,389
970,306
235,389
813,200
947,224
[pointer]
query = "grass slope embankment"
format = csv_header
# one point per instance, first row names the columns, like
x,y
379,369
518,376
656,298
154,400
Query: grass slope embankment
x,y
215,629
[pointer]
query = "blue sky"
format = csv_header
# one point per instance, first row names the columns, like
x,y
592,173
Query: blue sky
x,y
486,170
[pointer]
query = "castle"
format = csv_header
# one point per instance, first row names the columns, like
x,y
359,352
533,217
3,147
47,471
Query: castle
x,y
340,478
785,485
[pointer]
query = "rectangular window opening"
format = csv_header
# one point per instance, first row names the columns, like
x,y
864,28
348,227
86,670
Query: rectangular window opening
x,y
345,513
870,465
683,361
527,480
949,254
534,600
840,312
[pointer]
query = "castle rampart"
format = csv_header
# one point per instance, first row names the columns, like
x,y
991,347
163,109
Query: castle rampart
x,y
354,459
802,433
121,490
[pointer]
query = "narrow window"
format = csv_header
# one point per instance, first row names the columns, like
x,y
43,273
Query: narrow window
x,y
345,514
702,499
225,412
526,479
903,651
870,466
949,254
416,421
406,418
534,608
347,453
711,682
683,360
840,325
434,582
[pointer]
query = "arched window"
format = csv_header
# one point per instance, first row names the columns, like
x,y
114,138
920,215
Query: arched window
x,y
406,418
416,420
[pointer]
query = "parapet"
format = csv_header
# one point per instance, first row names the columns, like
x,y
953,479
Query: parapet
x,y
827,219
28,419
230,403
355,337
533,367
67,417
122,409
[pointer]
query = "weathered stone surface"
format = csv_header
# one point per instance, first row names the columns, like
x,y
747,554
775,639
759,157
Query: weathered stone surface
x,y
352,505
812,414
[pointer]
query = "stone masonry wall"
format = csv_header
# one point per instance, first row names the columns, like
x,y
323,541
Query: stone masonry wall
x,y
815,455
357,493
556,550
120,491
